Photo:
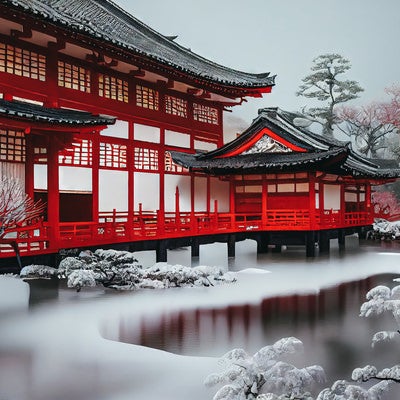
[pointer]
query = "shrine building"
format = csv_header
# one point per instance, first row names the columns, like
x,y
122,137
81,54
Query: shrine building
x,y
119,130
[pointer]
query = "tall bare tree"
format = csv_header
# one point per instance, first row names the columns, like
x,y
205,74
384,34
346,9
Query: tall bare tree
x,y
325,85
16,207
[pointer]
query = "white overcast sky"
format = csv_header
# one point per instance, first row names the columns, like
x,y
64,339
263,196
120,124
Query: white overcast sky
x,y
283,37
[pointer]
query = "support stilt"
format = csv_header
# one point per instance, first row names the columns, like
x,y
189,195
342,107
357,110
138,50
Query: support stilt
x,y
324,242
262,244
277,248
310,244
231,245
195,247
341,239
161,251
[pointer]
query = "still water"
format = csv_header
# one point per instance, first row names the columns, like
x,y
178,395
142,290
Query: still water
x,y
325,320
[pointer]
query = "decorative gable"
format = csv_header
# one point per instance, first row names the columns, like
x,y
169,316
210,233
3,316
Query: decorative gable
x,y
267,145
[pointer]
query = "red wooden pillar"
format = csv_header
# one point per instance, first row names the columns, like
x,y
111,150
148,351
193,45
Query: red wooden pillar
x,y
208,204
130,158
312,203
321,203
95,176
29,165
53,194
368,209
232,209
177,209
161,168
342,204
264,202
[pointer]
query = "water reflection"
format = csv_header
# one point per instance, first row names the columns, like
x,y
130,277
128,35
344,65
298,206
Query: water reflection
x,y
327,322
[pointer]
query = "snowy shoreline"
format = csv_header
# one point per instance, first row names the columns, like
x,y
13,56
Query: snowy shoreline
x,y
149,373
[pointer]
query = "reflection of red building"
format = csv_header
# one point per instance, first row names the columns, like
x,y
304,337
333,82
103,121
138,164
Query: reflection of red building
x,y
94,103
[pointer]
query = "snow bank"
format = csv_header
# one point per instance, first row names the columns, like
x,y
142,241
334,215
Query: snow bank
x,y
58,350
14,294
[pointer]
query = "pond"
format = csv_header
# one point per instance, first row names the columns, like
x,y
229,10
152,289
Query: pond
x,y
315,300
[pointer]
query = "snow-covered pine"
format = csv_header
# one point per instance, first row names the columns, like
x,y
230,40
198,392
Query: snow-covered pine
x,y
120,270
38,271
342,390
385,230
264,375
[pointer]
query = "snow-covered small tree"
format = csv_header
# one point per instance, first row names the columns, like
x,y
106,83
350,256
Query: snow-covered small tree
x,y
264,375
379,300
325,85
16,207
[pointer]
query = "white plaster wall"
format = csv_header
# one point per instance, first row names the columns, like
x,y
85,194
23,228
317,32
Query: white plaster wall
x,y
178,139
75,178
219,190
40,176
200,145
120,130
147,192
183,183
146,133
332,197
200,194
113,190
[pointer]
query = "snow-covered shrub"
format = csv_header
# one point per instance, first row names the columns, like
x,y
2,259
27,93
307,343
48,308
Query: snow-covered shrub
x,y
38,271
342,390
120,270
380,299
264,375
385,230
80,278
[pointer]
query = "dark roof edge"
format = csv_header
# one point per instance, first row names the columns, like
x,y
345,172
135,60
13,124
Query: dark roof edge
x,y
236,80
24,111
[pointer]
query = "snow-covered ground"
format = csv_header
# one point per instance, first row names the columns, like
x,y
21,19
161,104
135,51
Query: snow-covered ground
x,y
59,351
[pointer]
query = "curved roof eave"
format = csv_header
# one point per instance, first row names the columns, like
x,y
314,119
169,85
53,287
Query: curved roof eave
x,y
104,20
34,113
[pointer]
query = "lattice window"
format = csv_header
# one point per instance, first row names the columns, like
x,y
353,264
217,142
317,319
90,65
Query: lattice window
x,y
175,106
21,62
73,77
78,154
40,155
147,97
205,114
12,146
146,159
113,88
170,166
113,155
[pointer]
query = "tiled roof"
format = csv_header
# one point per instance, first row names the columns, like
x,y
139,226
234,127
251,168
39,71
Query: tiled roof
x,y
104,20
55,116
262,162
321,153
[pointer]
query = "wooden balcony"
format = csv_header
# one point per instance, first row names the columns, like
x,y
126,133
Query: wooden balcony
x,y
117,227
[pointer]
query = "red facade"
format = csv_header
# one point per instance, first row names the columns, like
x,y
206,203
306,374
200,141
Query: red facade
x,y
114,180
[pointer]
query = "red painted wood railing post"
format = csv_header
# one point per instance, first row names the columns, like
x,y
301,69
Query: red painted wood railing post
x,y
177,210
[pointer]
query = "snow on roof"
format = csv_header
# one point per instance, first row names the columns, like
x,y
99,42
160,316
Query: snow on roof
x,y
56,116
104,20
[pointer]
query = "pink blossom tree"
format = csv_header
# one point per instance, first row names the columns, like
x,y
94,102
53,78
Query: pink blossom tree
x,y
374,125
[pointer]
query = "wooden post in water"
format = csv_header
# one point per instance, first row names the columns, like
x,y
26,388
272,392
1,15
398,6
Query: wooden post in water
x,y
310,244
231,245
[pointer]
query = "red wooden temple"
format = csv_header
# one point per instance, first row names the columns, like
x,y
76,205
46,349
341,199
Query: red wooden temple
x,y
119,130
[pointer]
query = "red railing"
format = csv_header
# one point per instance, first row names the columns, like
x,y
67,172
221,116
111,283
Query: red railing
x,y
115,227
